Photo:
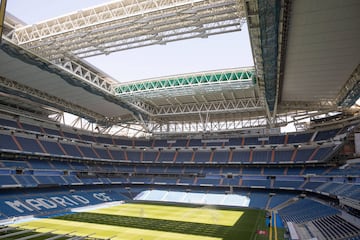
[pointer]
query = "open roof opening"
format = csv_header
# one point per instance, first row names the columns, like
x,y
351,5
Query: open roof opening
x,y
170,56
223,51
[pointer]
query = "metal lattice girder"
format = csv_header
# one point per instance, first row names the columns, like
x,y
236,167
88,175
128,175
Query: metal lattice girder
x,y
240,105
128,24
216,81
181,127
350,92
80,70
269,11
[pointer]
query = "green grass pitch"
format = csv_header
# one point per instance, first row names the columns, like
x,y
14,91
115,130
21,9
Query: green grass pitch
x,y
142,221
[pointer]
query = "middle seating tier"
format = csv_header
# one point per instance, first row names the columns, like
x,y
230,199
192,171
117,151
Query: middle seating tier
x,y
256,155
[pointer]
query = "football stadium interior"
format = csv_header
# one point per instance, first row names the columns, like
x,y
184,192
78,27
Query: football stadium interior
x,y
270,151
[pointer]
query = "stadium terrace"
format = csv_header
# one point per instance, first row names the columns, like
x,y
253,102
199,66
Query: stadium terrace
x,y
270,151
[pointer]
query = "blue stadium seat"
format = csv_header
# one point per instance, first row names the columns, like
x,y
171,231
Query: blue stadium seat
x,y
179,143
283,155
252,141
288,182
251,170
211,170
274,171
184,156
220,156
306,210
52,147
326,134
279,140
258,200
71,135
262,156
134,156
150,156
105,140
79,166
231,169
215,181
39,164
161,143
8,123
117,154
187,180
303,154
141,169
241,156
195,143
7,180
87,138
167,156
18,164
26,180
156,169
235,142
31,127
299,138
102,152
165,180
255,181
7,142
174,169
143,143
53,132
29,145
322,153
122,142
87,151
202,156
279,199
71,150
141,179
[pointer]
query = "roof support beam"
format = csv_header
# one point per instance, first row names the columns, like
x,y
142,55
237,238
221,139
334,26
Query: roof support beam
x,y
185,84
269,11
240,105
86,74
204,125
253,21
121,25
350,92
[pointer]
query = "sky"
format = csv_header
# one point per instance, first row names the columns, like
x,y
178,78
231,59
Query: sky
x,y
222,51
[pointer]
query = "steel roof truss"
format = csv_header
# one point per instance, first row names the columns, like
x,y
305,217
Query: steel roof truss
x,y
230,78
86,74
120,25
240,105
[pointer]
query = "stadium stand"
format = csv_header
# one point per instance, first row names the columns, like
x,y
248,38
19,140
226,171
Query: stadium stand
x,y
235,155
304,210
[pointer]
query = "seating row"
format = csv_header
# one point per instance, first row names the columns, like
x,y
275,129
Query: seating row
x,y
56,167
37,146
334,227
51,202
281,139
327,185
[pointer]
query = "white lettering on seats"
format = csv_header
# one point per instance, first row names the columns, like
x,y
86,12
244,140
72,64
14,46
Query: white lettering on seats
x,y
102,197
17,205
61,201
81,199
